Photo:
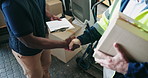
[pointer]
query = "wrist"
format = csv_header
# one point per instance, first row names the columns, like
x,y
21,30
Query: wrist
x,y
64,44
78,41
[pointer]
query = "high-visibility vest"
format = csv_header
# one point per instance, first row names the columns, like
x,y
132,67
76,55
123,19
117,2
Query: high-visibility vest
x,y
102,24
143,18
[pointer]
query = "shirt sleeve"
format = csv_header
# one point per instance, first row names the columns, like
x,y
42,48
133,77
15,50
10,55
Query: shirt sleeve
x,y
137,70
18,19
89,36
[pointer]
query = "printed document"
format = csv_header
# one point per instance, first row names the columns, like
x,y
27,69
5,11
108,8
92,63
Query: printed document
x,y
56,24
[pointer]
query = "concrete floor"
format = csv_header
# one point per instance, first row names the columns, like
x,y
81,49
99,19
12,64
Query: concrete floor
x,y
9,68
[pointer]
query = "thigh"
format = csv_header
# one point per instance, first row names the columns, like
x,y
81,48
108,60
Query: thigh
x,y
46,59
30,64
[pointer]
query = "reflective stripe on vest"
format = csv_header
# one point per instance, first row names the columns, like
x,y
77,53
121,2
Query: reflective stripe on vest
x,y
104,21
143,18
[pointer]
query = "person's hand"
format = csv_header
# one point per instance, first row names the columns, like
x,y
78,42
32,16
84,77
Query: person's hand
x,y
53,17
74,44
118,63
68,40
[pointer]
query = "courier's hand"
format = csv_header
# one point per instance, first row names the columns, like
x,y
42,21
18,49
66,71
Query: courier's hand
x,y
74,44
118,63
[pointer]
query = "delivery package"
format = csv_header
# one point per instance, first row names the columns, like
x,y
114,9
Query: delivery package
x,y
61,53
62,34
127,32
54,7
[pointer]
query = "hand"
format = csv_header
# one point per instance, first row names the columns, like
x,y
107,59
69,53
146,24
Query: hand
x,y
53,17
74,44
118,63
68,40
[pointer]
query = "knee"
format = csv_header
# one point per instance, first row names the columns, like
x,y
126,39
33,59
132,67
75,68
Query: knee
x,y
34,73
46,69
46,66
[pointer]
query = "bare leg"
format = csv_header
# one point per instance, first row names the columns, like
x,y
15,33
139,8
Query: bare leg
x,y
31,65
46,61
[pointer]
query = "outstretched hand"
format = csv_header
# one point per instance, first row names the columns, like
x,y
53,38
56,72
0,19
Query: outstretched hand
x,y
68,41
118,63
74,44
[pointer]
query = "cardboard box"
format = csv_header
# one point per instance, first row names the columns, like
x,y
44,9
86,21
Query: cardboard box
x,y
130,36
69,18
54,7
63,54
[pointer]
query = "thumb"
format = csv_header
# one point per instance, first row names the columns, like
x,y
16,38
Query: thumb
x,y
120,50
71,45
51,18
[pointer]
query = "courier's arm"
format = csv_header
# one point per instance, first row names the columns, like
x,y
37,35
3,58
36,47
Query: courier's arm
x,y
92,34
121,64
137,70
89,36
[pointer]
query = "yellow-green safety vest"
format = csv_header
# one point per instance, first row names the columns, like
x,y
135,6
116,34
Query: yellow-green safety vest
x,y
102,24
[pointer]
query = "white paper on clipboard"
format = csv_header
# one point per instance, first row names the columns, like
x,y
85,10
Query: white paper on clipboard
x,y
55,25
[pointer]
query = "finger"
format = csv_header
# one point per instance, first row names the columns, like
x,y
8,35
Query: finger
x,y
100,61
104,62
107,65
59,19
120,50
99,54
75,46
51,19
71,45
56,18
72,37
66,49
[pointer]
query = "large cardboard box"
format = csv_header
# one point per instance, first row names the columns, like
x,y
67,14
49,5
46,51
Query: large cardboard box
x,y
133,38
63,54
54,7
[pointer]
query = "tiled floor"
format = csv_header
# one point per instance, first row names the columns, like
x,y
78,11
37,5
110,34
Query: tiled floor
x,y
9,68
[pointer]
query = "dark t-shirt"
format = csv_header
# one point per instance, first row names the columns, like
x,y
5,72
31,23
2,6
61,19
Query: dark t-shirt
x,y
24,17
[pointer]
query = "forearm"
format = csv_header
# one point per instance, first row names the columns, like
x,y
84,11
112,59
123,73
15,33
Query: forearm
x,y
89,36
47,13
42,43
